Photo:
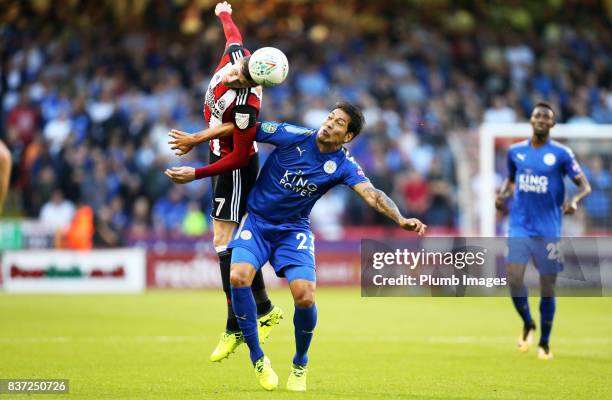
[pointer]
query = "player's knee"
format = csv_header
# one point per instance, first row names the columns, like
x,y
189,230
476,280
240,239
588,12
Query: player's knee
x,y
240,277
221,239
547,289
515,279
304,299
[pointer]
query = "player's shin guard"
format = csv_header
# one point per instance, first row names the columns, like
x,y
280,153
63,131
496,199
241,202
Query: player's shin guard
x,y
547,314
264,305
225,259
246,313
521,303
304,320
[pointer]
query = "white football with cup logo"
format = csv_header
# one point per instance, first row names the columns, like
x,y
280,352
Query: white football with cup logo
x,y
268,66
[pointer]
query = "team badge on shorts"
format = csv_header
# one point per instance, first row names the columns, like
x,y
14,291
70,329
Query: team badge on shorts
x,y
549,159
269,127
246,235
330,167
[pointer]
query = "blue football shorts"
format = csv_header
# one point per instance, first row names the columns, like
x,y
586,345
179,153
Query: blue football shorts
x,y
288,246
545,251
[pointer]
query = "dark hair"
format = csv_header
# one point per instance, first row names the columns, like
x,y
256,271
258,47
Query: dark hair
x,y
245,70
544,105
357,119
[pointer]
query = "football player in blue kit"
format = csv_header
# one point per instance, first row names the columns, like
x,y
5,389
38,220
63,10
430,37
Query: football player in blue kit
x,y
305,164
536,170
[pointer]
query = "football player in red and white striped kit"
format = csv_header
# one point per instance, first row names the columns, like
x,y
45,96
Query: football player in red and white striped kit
x,y
232,98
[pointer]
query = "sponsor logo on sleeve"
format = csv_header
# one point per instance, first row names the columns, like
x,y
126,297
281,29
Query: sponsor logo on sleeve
x,y
269,127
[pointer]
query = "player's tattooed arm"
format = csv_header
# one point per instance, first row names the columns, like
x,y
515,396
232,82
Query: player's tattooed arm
x,y
183,142
570,207
378,200
506,190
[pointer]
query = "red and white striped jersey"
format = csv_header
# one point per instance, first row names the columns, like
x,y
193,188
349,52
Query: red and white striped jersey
x,y
220,101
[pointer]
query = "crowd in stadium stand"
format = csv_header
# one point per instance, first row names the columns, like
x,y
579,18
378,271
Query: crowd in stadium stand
x,y
90,90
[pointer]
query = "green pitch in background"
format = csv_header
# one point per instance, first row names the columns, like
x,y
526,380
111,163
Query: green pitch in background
x,y
156,346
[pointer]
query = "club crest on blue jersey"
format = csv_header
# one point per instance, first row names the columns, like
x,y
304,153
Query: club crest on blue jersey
x,y
549,159
330,166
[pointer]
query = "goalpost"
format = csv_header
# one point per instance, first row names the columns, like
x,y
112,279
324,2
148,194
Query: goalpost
x,y
600,137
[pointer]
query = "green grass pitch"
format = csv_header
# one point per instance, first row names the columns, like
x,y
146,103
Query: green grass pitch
x,y
156,346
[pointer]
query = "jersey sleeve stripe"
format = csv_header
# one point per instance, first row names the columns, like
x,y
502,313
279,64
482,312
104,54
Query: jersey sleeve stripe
x,y
236,55
241,98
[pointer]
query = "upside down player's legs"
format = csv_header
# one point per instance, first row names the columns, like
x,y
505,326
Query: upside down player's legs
x,y
223,233
243,303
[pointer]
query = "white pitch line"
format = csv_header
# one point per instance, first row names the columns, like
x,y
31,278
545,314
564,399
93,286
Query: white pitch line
x,y
485,340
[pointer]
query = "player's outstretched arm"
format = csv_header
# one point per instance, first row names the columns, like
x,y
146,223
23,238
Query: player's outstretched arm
x,y
378,200
183,142
506,190
5,173
232,33
238,158
570,207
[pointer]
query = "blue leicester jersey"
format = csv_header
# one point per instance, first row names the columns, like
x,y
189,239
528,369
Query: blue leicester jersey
x,y
536,209
297,173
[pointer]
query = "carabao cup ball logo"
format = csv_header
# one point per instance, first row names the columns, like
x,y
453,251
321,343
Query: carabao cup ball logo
x,y
268,66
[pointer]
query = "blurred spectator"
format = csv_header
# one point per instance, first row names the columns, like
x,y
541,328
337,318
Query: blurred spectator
x,y
58,212
24,118
81,232
195,223
56,132
170,211
499,112
105,235
597,204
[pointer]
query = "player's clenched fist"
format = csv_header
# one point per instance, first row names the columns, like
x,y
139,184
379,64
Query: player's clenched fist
x,y
500,203
413,224
181,174
223,7
570,207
